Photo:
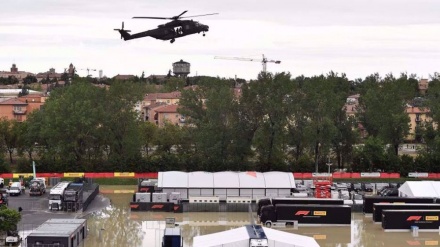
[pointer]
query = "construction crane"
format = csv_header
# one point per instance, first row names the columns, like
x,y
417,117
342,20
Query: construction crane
x,y
88,70
263,61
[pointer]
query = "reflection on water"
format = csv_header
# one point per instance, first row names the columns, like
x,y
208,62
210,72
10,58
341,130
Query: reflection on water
x,y
123,228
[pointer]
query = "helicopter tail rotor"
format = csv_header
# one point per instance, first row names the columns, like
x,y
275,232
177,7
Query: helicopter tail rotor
x,y
123,32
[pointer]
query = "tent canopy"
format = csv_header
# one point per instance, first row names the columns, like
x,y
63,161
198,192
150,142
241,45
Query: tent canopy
x,y
420,189
227,179
239,237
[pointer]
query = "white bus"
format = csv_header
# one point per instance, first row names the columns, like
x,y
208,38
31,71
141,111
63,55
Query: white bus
x,y
56,195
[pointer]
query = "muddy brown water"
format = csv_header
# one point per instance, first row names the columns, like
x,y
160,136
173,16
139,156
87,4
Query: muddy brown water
x,y
117,226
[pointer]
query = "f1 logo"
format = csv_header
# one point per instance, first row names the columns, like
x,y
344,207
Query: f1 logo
x,y
157,206
302,213
415,218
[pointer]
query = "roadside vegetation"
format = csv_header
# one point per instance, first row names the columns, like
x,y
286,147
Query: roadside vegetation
x,y
278,123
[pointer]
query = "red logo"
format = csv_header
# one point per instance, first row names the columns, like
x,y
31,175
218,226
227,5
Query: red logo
x,y
134,206
144,189
415,218
413,243
302,213
176,207
157,206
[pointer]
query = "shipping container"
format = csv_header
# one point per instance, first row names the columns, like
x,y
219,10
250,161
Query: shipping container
x,y
306,214
370,200
404,220
379,207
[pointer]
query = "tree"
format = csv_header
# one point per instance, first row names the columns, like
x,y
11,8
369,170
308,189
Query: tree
x,y
324,98
382,109
148,132
210,109
9,219
9,132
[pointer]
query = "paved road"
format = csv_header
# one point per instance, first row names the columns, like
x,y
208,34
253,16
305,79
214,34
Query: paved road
x,y
36,209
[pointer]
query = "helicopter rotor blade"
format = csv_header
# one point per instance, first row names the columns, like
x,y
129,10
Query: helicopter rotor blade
x,y
147,17
199,15
178,16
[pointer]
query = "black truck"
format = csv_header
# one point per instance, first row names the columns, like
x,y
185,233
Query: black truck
x,y
379,207
73,197
295,201
403,220
36,187
370,200
305,214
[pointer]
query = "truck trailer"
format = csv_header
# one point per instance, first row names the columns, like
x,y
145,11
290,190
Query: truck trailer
x,y
379,207
404,220
293,201
370,200
73,197
305,214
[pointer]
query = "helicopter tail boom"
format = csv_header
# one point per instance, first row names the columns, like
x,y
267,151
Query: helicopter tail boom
x,y
124,33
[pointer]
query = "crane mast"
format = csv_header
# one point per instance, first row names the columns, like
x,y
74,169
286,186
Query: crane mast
x,y
263,61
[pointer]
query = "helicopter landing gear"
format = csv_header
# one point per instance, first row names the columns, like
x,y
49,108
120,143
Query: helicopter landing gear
x,y
172,41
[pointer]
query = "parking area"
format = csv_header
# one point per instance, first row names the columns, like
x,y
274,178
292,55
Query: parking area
x,y
35,209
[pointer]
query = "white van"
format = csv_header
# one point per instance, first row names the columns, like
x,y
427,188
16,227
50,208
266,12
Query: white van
x,y
15,189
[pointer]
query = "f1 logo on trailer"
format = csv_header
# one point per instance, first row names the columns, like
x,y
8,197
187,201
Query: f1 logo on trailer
x,y
415,218
157,206
302,213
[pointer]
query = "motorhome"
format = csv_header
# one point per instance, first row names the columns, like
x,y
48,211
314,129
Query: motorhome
x,y
56,195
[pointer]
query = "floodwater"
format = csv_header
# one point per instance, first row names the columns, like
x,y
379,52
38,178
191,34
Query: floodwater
x,y
115,226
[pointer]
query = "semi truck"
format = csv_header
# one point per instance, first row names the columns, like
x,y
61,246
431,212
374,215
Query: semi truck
x,y
370,200
56,195
316,201
404,220
73,197
379,207
305,214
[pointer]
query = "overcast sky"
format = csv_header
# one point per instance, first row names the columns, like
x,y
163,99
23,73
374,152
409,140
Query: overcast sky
x,y
357,37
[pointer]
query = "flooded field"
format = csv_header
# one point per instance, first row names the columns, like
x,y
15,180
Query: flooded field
x,y
115,226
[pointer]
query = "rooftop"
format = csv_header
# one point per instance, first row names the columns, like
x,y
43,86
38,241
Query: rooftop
x,y
58,227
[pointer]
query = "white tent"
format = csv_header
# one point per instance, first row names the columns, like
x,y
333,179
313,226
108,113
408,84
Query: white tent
x,y
227,184
420,189
239,237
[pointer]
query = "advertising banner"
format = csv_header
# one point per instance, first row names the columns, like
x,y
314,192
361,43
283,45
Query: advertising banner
x,y
73,174
370,174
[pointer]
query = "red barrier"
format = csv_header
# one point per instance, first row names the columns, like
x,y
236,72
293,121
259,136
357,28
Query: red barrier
x,y
50,175
99,175
146,175
384,175
6,175
297,175
394,175
307,175
346,175
355,175
432,175
337,175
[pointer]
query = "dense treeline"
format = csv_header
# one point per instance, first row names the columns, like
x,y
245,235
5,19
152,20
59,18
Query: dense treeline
x,y
278,123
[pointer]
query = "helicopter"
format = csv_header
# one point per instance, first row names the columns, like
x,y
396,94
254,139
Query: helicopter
x,y
176,28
